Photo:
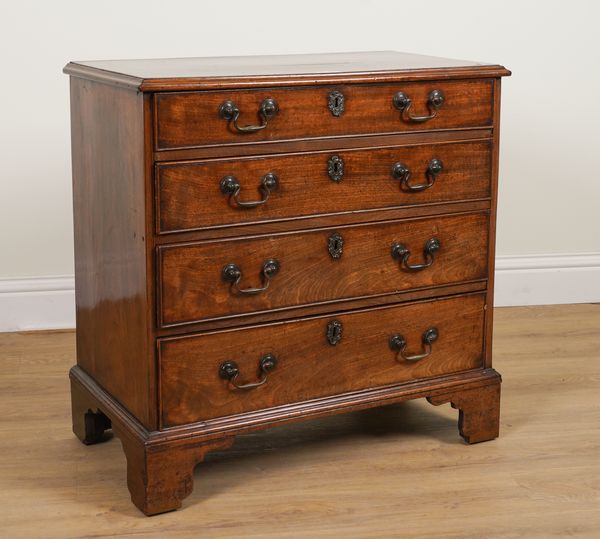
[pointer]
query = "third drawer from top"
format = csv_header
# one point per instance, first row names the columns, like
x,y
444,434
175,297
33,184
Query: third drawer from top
x,y
240,276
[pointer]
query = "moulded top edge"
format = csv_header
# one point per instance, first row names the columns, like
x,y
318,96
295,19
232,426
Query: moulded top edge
x,y
246,71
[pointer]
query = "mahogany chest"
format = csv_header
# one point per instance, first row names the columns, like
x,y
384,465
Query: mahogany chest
x,y
269,239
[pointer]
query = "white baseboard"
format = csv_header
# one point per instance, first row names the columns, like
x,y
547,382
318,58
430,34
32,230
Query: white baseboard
x,y
49,302
37,303
547,279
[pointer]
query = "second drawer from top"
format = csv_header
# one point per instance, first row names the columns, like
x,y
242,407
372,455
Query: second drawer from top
x,y
239,191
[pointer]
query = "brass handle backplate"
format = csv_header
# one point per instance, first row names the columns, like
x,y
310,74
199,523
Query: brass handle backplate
x,y
230,111
230,371
231,186
403,174
398,344
402,253
233,274
403,103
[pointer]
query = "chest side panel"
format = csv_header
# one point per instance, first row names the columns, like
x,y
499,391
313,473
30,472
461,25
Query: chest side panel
x,y
109,199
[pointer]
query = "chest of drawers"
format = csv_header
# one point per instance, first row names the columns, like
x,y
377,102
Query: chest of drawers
x,y
269,239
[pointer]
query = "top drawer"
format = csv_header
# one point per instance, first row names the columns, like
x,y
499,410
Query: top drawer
x,y
196,119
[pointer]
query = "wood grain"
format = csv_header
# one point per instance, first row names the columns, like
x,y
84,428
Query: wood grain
x,y
384,472
114,342
489,323
323,221
191,389
325,144
299,69
192,287
191,119
189,194
478,412
327,308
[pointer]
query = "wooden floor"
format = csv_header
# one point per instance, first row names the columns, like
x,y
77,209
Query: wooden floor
x,y
399,471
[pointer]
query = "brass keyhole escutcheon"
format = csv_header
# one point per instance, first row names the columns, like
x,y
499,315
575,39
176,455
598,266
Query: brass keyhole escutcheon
x,y
334,332
335,245
335,168
336,103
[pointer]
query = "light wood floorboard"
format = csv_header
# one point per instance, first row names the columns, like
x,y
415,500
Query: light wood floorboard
x,y
398,471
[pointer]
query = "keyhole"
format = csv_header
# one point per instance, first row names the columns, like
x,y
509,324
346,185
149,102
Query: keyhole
x,y
335,168
336,103
335,245
334,332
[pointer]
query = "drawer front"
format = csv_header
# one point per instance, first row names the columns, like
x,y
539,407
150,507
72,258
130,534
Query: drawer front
x,y
221,192
196,280
196,119
367,353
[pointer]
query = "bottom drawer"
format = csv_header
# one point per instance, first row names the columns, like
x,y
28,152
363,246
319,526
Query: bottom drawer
x,y
316,357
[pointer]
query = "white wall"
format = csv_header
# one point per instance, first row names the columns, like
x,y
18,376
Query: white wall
x,y
550,188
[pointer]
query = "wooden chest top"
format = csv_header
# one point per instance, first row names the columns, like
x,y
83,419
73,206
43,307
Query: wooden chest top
x,y
241,71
